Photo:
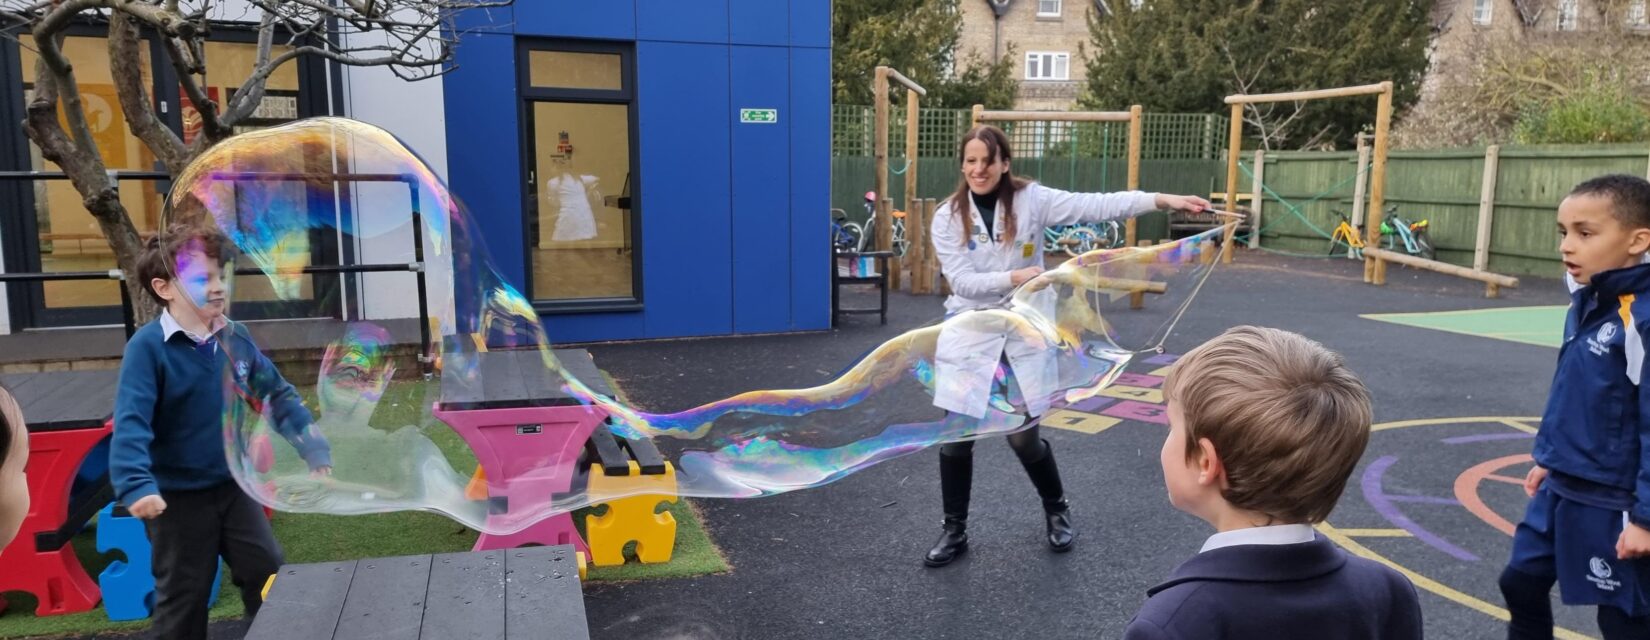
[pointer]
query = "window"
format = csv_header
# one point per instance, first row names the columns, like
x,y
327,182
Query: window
x,y
1048,8
1568,13
1136,4
580,124
1045,65
1482,10
1636,14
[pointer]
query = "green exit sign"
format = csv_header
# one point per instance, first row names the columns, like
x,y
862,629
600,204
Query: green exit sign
x,y
759,116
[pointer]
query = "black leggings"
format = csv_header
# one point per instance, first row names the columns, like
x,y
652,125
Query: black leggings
x,y
1529,601
1027,444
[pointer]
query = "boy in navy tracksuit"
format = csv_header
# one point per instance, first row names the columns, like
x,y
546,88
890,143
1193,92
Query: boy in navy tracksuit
x,y
167,457
1588,523
1265,426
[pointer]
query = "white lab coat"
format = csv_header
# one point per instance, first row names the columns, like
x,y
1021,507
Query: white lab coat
x,y
977,268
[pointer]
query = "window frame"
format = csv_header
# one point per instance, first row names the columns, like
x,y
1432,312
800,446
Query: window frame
x,y
1049,57
626,95
1059,9
1483,12
26,302
1638,14
1568,15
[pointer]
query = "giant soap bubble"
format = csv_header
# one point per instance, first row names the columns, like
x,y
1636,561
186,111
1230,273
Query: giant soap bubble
x,y
387,437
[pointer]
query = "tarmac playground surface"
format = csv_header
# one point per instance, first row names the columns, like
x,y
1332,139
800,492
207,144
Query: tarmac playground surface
x,y
1459,382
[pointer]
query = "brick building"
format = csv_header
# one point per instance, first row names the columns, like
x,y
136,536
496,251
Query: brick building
x,y
1048,38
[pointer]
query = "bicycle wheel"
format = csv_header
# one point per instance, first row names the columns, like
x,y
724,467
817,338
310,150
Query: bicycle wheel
x,y
850,236
1424,246
1080,240
1108,235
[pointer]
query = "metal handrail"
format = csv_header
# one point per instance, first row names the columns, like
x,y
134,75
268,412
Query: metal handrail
x,y
417,267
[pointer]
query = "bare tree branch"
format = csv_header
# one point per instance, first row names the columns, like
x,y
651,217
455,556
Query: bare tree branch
x,y
124,62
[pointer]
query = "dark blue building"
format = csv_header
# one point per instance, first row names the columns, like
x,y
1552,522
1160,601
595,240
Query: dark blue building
x,y
650,168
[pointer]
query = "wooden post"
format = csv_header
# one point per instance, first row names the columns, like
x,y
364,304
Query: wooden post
x,y
884,231
1486,208
1136,133
1359,181
1137,300
930,262
916,232
1374,266
974,116
879,92
1257,197
1235,147
1206,252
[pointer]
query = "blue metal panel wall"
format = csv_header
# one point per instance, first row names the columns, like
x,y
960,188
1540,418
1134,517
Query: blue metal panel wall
x,y
761,192
759,22
811,23
600,19
810,130
484,146
686,199
680,21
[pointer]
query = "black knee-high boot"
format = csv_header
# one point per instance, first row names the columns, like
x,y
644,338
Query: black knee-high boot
x,y
956,480
1045,475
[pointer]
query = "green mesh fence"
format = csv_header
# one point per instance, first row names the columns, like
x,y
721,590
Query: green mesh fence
x,y
1165,136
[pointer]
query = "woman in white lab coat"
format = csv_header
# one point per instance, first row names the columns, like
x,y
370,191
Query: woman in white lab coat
x,y
988,236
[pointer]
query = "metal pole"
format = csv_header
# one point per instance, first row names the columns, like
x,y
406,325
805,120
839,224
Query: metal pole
x,y
425,358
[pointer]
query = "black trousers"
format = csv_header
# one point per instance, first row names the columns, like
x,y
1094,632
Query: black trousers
x,y
186,541
1027,445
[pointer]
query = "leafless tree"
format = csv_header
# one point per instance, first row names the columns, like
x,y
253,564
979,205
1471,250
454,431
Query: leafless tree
x,y
413,38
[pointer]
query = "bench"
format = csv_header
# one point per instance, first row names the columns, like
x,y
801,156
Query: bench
x,y
851,273
516,594
629,466
527,434
68,415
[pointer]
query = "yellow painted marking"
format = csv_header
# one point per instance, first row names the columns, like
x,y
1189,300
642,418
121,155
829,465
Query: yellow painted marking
x,y
1079,421
1126,392
1161,371
1520,426
1339,537
1436,421
1376,533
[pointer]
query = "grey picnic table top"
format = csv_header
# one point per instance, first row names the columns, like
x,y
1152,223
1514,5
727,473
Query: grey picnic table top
x,y
57,400
531,593
518,378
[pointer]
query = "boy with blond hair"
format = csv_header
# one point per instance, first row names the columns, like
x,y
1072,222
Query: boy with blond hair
x,y
1587,526
1265,427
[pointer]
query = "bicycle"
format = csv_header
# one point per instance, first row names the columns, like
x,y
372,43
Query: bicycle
x,y
845,235
898,243
1348,235
1413,234
1079,239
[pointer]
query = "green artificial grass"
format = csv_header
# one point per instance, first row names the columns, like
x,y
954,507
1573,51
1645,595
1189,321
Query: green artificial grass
x,y
307,537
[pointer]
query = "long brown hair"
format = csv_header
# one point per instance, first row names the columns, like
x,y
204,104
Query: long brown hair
x,y
996,143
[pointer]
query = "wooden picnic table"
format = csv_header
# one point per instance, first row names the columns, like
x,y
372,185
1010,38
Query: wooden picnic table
x,y
504,594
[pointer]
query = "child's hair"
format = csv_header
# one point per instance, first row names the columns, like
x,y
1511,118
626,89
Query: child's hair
x,y
11,418
160,254
1629,197
1287,418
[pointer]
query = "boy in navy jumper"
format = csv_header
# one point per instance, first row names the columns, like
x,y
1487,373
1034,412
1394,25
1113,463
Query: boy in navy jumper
x,y
167,459
1588,523
1265,426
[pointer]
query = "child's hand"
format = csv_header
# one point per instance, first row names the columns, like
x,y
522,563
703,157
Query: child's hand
x,y
1189,204
320,472
1633,543
148,507
1532,482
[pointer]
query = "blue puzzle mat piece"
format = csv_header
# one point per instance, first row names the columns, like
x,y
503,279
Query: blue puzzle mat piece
x,y
129,585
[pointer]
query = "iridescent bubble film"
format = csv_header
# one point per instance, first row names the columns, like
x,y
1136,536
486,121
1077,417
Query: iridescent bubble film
x,y
491,429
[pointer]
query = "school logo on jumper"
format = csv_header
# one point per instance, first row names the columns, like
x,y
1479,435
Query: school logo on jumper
x,y
1600,344
241,369
1601,574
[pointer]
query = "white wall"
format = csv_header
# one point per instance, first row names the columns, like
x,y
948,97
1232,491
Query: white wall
x,y
414,113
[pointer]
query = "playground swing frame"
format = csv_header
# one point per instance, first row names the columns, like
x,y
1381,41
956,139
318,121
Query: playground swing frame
x,y
1375,259
916,232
